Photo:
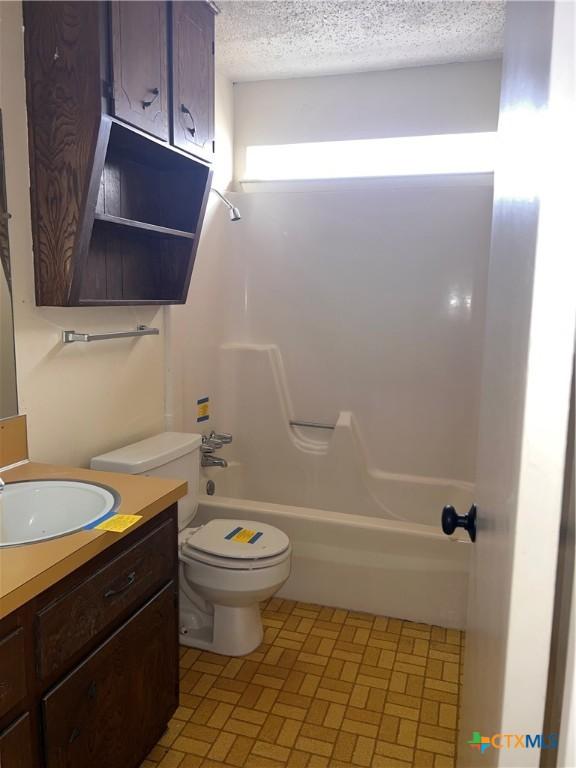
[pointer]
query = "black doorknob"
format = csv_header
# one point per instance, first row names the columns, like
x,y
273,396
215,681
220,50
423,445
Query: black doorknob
x,y
452,520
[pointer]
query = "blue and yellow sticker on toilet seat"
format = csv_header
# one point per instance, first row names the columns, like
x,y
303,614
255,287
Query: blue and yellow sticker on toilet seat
x,y
243,535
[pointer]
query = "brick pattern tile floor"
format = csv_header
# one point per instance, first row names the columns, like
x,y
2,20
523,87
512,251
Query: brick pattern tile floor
x,y
328,688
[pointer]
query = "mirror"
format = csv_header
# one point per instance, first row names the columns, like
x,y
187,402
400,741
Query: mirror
x,y
8,394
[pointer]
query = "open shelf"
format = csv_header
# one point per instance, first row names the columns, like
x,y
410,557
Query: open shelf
x,y
132,265
151,228
145,225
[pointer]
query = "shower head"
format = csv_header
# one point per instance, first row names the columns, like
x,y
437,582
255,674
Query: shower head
x,y
234,212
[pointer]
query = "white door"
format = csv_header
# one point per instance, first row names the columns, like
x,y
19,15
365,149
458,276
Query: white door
x,y
525,390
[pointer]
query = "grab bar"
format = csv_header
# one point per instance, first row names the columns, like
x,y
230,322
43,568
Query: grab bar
x,y
313,424
68,337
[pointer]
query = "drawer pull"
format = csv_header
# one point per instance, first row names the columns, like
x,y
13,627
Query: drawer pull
x,y
74,735
129,581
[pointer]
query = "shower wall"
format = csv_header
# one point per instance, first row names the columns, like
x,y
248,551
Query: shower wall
x,y
371,290
373,294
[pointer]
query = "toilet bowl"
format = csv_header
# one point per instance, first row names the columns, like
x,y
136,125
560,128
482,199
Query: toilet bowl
x,y
227,567
232,576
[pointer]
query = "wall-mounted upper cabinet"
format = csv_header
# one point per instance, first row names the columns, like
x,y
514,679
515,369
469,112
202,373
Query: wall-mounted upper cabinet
x,y
139,65
192,70
120,99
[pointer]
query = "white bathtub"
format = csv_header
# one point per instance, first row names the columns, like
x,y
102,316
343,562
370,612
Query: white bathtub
x,y
405,570
363,538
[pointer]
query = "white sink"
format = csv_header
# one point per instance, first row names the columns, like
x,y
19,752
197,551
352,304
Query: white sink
x,y
37,510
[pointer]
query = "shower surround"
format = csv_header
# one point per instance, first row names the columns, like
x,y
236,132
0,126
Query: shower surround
x,y
358,304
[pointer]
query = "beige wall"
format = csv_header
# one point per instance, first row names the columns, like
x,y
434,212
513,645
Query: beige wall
x,y
196,328
80,399
8,403
416,101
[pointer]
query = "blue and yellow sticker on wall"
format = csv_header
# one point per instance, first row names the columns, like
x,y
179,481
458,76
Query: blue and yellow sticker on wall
x,y
202,409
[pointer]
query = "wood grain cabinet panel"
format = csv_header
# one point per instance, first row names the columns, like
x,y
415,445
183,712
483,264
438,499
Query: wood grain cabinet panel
x,y
16,745
68,624
110,711
12,670
121,129
64,107
193,77
89,668
140,65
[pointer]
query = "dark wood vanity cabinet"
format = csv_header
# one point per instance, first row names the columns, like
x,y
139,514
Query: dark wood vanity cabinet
x,y
12,655
120,99
89,669
123,691
16,744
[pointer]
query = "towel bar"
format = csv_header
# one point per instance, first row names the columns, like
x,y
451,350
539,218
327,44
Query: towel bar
x,y
68,337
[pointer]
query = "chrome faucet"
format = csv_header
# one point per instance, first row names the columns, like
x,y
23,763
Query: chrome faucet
x,y
2,485
222,437
213,461
211,443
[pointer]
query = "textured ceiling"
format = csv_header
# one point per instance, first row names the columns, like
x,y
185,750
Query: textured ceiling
x,y
297,38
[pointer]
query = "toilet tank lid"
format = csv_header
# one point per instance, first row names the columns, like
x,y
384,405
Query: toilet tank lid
x,y
151,453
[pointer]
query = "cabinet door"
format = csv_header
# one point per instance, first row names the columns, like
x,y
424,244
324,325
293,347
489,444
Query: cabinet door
x,y
193,77
140,65
110,711
16,745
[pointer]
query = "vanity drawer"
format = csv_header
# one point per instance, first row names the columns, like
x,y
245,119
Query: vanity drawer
x,y
72,621
12,670
111,709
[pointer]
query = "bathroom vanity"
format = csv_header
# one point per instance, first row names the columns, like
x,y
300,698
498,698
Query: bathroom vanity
x,y
89,634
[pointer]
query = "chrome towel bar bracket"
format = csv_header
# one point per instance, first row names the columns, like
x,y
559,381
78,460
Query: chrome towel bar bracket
x,y
68,337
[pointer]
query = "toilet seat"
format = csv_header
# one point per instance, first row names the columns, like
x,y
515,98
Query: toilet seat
x,y
235,544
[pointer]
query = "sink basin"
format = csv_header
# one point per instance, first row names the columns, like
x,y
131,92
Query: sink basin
x,y
37,510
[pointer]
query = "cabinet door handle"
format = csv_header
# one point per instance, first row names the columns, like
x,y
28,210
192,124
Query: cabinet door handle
x,y
74,735
184,109
146,104
129,581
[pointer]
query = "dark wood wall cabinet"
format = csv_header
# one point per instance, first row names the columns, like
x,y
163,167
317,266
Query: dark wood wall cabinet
x,y
120,100
89,669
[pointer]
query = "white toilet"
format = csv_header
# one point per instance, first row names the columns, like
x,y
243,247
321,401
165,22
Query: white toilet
x,y
226,566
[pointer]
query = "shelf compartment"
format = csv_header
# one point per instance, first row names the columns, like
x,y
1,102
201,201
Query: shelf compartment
x,y
146,223
133,265
145,182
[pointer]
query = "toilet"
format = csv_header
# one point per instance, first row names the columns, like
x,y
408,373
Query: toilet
x,y
227,567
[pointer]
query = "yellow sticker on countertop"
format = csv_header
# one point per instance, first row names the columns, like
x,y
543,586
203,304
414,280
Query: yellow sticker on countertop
x,y
118,523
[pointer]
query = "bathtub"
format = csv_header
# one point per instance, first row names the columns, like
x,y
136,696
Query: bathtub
x,y
363,538
406,570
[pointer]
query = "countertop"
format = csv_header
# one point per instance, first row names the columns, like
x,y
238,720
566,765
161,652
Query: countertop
x,y
28,570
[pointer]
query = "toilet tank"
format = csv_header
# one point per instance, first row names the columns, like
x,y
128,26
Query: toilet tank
x,y
168,454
